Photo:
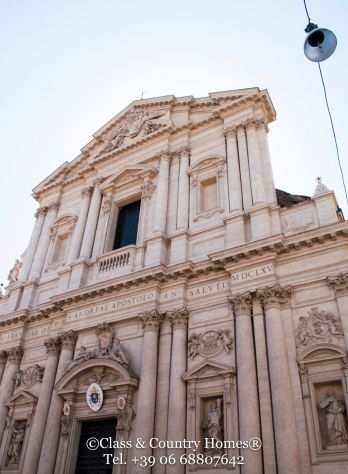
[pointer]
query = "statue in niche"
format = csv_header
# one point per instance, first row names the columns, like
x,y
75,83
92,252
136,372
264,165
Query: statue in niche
x,y
335,420
213,423
16,443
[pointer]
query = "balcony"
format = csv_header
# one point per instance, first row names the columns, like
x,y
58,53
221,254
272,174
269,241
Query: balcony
x,y
115,263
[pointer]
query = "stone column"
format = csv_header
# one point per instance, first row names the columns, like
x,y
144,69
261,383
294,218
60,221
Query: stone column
x,y
234,179
267,434
14,357
160,216
38,426
104,216
41,251
340,286
255,163
287,448
3,357
177,393
248,412
244,168
162,395
92,219
183,197
34,239
51,437
145,413
80,225
173,194
261,132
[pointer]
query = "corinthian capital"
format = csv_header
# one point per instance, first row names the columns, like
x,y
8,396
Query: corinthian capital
x,y
68,339
242,304
15,354
339,283
275,295
178,317
52,345
41,211
151,320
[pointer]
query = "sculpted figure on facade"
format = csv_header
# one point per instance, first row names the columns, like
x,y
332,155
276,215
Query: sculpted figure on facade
x,y
318,327
213,424
16,443
13,275
335,420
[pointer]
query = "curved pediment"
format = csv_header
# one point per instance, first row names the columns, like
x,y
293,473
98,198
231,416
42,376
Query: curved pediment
x,y
321,352
98,369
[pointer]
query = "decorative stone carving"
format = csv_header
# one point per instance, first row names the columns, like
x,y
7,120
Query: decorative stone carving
x,y
107,204
16,442
335,420
30,376
65,425
13,275
15,354
109,347
125,418
242,303
339,283
212,426
178,317
209,343
147,188
318,327
151,320
137,122
52,345
275,295
320,188
68,339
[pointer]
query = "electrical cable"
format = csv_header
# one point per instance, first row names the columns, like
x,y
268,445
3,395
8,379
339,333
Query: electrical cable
x,y
330,115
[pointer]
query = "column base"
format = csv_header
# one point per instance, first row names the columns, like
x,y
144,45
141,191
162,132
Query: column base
x,y
156,251
179,248
29,290
79,271
234,230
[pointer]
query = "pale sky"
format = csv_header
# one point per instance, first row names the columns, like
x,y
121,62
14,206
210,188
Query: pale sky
x,y
69,66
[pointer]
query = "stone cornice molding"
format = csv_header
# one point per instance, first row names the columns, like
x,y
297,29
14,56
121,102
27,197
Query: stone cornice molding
x,y
275,296
150,320
242,304
15,354
338,283
252,122
53,345
178,317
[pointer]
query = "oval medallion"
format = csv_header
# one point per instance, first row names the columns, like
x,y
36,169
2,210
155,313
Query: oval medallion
x,y
94,397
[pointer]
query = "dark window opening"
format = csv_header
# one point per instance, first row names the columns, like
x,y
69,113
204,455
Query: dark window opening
x,y
127,225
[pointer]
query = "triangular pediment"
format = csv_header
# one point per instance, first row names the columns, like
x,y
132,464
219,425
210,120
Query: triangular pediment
x,y
23,397
148,119
207,369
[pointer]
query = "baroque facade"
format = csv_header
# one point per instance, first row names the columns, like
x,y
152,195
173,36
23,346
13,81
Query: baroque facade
x,y
170,291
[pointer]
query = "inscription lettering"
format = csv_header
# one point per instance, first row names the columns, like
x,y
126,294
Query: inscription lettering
x,y
252,273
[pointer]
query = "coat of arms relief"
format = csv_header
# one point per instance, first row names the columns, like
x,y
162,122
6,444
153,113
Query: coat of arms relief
x,y
138,123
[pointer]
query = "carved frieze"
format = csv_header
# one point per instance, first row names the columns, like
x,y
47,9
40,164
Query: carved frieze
x,y
209,343
319,326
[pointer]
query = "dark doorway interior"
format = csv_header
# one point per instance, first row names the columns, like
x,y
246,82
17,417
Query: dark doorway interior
x,y
93,462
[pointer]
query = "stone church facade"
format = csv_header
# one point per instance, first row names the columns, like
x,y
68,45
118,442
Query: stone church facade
x,y
170,291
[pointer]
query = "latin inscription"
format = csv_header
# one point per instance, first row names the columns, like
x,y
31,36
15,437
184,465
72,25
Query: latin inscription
x,y
253,273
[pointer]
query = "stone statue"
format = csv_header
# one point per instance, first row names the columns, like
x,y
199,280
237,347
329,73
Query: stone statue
x,y
213,426
118,353
335,420
226,340
15,448
14,272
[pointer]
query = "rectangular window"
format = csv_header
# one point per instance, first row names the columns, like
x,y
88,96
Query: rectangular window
x,y
208,194
127,225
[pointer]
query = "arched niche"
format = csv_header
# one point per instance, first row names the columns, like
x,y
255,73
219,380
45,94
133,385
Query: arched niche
x,y
324,381
118,385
